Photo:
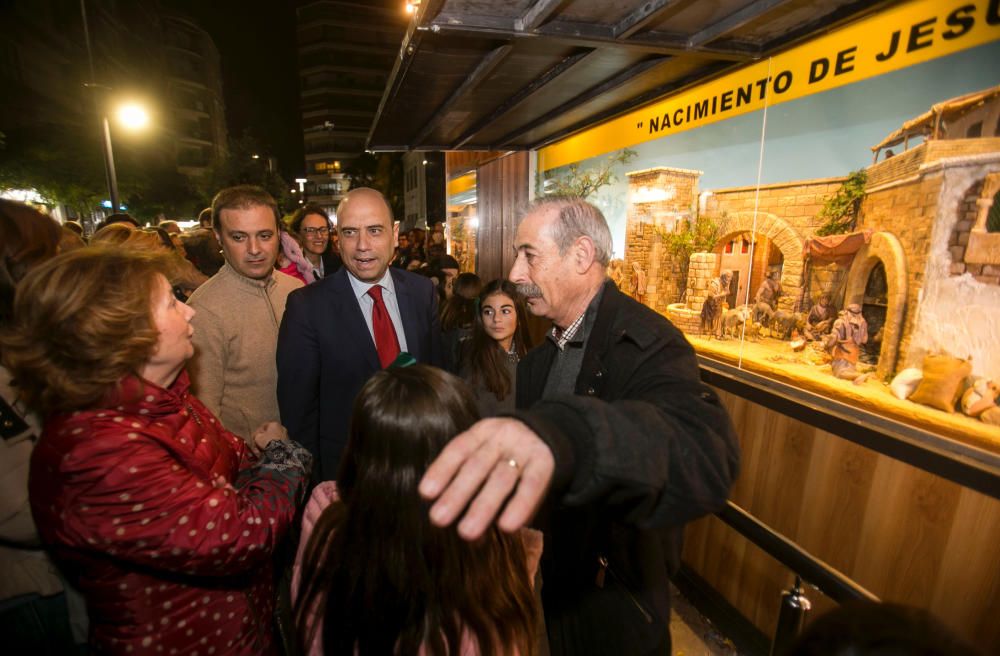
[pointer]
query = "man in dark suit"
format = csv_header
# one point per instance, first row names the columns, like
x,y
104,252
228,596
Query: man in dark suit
x,y
339,331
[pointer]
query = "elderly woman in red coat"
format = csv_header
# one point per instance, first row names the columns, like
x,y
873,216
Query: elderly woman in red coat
x,y
166,520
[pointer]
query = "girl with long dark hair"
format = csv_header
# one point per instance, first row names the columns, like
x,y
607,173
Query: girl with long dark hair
x,y
373,575
499,340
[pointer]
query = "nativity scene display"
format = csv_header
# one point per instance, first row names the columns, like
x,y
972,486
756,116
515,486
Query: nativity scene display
x,y
881,286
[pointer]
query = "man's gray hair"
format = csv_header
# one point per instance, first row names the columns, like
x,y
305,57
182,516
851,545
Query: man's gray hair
x,y
577,218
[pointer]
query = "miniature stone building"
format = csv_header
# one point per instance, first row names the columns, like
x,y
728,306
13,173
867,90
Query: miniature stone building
x,y
930,272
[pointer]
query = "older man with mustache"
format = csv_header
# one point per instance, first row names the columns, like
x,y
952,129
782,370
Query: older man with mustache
x,y
616,444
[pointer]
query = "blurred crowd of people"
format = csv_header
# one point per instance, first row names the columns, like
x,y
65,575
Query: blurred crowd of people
x,y
151,493
256,437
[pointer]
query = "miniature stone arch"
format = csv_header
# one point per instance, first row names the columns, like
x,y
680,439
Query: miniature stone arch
x,y
781,235
984,243
885,248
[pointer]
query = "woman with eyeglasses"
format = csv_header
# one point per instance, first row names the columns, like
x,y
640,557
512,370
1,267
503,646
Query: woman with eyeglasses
x,y
313,226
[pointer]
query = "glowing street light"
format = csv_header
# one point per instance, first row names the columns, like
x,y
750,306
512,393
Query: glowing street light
x,y
133,116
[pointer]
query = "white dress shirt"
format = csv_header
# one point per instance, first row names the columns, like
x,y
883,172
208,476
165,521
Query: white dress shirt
x,y
367,303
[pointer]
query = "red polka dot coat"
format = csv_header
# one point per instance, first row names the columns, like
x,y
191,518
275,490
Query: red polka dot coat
x,y
166,520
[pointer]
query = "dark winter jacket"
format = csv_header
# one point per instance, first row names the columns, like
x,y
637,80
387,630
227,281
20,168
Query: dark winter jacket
x,y
641,448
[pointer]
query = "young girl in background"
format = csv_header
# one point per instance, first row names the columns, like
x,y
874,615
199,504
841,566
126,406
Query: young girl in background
x,y
373,575
499,340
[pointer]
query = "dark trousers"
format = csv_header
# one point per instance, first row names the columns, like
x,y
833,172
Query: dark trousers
x,y
33,625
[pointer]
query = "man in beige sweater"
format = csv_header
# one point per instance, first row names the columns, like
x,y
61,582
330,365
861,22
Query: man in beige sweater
x,y
239,311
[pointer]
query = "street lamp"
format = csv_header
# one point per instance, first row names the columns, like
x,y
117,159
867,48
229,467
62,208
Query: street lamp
x,y
132,116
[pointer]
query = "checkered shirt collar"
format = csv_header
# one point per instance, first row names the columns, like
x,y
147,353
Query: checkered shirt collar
x,y
563,337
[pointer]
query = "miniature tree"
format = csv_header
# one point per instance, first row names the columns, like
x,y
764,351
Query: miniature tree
x,y
585,183
700,237
840,211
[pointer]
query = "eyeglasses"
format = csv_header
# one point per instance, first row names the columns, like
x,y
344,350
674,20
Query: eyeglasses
x,y
313,232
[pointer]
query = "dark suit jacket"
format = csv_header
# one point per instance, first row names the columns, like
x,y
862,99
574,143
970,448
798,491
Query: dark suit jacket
x,y
326,354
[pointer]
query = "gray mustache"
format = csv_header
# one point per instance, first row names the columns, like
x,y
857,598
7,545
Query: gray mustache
x,y
529,291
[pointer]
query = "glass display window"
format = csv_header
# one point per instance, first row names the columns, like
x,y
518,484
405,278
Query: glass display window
x,y
844,239
463,221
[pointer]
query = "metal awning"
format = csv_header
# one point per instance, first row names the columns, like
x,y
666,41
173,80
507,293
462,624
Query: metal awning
x,y
518,74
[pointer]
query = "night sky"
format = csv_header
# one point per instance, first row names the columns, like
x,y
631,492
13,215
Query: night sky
x,y
256,42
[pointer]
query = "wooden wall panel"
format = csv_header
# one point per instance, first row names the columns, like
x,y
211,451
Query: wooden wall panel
x,y
907,522
502,189
907,535
968,571
458,162
849,469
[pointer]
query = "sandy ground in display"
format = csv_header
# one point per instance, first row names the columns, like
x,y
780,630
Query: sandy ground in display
x,y
807,370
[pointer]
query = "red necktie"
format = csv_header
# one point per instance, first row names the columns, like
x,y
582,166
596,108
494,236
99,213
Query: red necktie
x,y
386,342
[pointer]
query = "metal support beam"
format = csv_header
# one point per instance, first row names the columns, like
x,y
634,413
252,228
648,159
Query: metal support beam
x,y
411,41
427,11
522,94
645,14
589,94
585,35
486,66
538,14
733,21
832,582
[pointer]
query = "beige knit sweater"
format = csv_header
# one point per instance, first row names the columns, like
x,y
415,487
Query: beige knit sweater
x,y
236,332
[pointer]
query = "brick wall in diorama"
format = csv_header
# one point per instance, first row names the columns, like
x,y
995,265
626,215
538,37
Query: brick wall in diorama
x,y
796,203
701,271
968,212
786,214
830,278
659,198
898,166
909,162
908,211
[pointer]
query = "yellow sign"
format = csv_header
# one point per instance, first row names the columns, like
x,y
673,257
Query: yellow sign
x,y
902,36
461,183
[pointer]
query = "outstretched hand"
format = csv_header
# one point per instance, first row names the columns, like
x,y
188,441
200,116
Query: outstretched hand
x,y
497,467
265,434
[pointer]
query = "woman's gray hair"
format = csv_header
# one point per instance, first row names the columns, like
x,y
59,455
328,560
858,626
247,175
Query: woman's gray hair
x,y
577,218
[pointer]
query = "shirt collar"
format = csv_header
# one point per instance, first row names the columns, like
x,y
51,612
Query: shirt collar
x,y
576,332
361,288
